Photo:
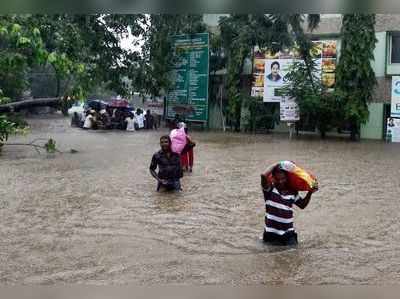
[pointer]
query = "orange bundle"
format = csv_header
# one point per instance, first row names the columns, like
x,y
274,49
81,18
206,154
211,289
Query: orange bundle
x,y
299,179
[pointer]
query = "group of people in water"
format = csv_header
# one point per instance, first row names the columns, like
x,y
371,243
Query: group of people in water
x,y
115,118
279,194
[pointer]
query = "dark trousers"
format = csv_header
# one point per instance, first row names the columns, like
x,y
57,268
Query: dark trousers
x,y
172,185
287,239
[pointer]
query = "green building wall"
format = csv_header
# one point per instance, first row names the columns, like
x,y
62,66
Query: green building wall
x,y
373,129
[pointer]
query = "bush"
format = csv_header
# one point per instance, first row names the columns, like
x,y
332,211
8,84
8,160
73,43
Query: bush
x,y
6,128
262,116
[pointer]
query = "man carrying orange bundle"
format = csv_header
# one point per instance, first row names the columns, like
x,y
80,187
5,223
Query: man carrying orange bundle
x,y
281,185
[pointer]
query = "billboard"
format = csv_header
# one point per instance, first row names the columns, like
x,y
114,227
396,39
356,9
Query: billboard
x,y
189,95
395,105
269,70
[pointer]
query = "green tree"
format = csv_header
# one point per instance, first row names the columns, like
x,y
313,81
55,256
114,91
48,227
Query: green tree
x,y
83,50
318,106
355,78
240,33
21,47
92,46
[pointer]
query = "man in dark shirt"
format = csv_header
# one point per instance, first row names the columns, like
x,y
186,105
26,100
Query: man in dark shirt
x,y
169,166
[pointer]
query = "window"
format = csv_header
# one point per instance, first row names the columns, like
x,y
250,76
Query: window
x,y
395,48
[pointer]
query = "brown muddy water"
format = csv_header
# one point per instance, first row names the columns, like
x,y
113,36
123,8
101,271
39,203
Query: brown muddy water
x,y
94,217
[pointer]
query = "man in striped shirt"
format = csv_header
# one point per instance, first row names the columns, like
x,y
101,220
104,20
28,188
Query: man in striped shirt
x,y
279,200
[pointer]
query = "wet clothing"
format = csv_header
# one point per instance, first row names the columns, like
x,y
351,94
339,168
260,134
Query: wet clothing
x,y
172,185
88,124
287,239
187,155
279,217
149,121
168,168
140,120
130,124
187,159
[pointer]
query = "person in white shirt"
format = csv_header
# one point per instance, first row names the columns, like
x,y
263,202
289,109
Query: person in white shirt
x,y
140,120
88,122
130,127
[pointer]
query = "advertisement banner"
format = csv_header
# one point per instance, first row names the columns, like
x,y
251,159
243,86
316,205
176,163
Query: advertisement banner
x,y
393,129
189,95
270,69
395,105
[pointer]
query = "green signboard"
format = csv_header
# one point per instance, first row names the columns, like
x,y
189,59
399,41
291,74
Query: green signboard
x,y
189,95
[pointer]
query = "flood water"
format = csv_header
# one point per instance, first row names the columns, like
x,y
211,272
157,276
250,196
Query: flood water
x,y
94,217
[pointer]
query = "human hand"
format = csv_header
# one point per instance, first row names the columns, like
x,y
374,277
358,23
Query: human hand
x,y
264,182
314,188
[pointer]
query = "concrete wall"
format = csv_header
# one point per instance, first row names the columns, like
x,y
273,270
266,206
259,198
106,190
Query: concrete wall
x,y
378,64
373,129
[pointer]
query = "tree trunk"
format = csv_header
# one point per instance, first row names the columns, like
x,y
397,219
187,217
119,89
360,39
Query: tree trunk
x,y
237,119
353,131
16,106
353,134
221,108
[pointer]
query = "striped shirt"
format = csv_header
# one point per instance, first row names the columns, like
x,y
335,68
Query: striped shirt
x,y
279,211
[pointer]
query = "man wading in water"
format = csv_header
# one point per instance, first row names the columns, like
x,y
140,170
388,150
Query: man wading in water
x,y
278,205
169,167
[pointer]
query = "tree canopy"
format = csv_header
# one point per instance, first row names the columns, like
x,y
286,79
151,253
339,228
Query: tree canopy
x,y
355,76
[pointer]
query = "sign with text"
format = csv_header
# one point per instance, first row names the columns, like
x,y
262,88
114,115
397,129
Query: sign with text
x,y
289,110
395,105
189,95
393,129
269,69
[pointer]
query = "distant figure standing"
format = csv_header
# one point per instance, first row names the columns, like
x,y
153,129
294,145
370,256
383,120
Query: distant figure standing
x,y
88,124
187,155
149,120
130,123
140,118
169,167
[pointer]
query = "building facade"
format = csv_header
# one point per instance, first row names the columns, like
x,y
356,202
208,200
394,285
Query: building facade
x,y
386,63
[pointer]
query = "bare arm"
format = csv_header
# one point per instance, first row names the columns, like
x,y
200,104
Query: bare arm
x,y
153,167
264,182
154,174
303,202
189,139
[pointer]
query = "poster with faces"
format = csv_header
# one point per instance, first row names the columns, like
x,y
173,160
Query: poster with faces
x,y
393,129
269,69
274,78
